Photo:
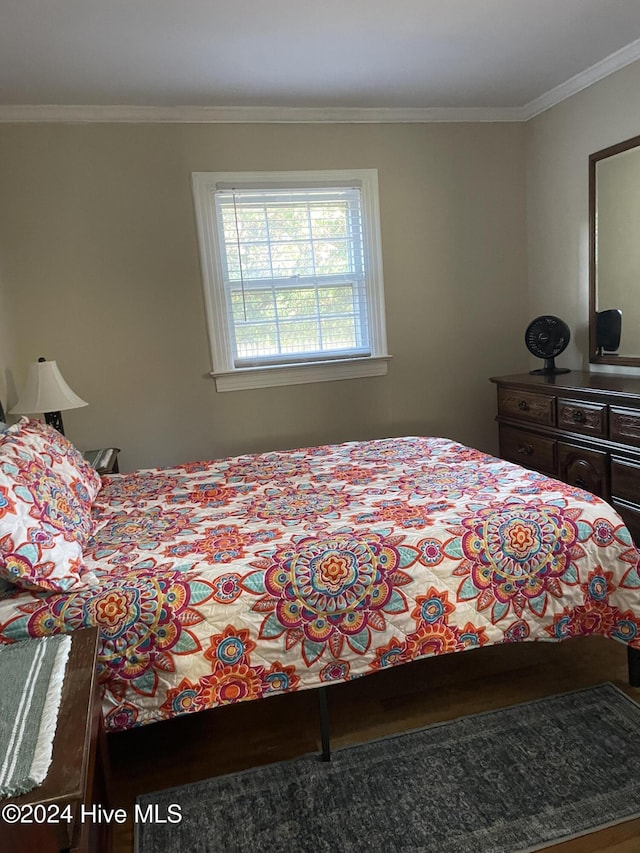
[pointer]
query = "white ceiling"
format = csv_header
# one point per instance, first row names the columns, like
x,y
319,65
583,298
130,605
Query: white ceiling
x,y
399,55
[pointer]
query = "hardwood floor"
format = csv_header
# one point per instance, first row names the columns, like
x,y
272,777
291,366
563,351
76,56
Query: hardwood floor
x,y
228,739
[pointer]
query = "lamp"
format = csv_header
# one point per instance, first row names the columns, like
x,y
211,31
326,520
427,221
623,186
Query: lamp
x,y
47,392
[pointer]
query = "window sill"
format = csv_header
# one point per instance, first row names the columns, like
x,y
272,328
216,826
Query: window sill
x,y
299,374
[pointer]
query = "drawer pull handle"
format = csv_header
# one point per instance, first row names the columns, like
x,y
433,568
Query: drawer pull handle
x,y
523,405
525,449
580,482
579,416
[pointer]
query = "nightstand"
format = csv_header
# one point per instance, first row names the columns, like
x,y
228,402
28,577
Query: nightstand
x,y
105,461
78,776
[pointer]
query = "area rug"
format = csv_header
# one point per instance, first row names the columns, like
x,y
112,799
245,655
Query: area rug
x,y
517,779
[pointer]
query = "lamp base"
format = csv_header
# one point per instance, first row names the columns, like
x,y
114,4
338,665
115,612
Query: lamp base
x,y
54,419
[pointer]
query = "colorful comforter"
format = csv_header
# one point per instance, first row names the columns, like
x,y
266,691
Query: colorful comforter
x,y
257,575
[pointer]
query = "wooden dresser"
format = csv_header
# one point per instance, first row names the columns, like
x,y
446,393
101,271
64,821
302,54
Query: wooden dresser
x,y
582,428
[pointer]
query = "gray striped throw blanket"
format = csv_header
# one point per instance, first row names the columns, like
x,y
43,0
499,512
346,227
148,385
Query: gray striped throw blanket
x,y
31,677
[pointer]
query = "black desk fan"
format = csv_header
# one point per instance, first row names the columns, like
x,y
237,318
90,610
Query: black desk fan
x,y
546,337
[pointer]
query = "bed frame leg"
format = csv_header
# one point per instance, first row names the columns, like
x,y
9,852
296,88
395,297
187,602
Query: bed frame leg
x,y
324,723
633,658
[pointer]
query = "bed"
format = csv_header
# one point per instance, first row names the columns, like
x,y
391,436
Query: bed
x,y
223,581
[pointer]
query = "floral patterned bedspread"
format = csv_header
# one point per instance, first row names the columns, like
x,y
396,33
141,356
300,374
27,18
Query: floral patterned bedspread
x,y
251,576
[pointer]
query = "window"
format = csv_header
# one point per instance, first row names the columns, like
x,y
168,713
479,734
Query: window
x,y
292,274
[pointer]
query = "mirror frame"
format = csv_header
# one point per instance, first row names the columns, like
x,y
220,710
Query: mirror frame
x,y
594,159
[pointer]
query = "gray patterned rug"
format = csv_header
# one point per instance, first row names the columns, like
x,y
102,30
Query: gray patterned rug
x,y
516,779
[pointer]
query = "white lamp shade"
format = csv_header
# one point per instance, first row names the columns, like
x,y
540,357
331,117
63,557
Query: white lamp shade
x,y
46,391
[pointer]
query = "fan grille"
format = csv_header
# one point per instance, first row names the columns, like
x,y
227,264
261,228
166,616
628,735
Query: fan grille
x,y
547,336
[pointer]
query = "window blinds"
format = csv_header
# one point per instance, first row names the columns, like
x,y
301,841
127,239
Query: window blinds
x,y
293,271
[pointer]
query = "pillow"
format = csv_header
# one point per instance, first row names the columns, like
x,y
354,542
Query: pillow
x,y
44,523
58,453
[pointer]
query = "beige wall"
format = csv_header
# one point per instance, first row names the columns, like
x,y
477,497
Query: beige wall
x,y
5,344
101,273
558,144
99,270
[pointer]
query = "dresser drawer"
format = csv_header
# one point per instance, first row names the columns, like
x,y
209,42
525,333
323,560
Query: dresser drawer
x,y
577,416
624,425
625,480
534,408
586,469
529,450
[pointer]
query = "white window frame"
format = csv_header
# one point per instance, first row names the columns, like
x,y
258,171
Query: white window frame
x,y
228,377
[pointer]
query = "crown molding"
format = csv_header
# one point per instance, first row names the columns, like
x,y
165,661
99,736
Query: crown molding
x,y
615,62
24,113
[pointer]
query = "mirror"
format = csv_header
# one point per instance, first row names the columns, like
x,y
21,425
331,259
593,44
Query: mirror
x,y
614,254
